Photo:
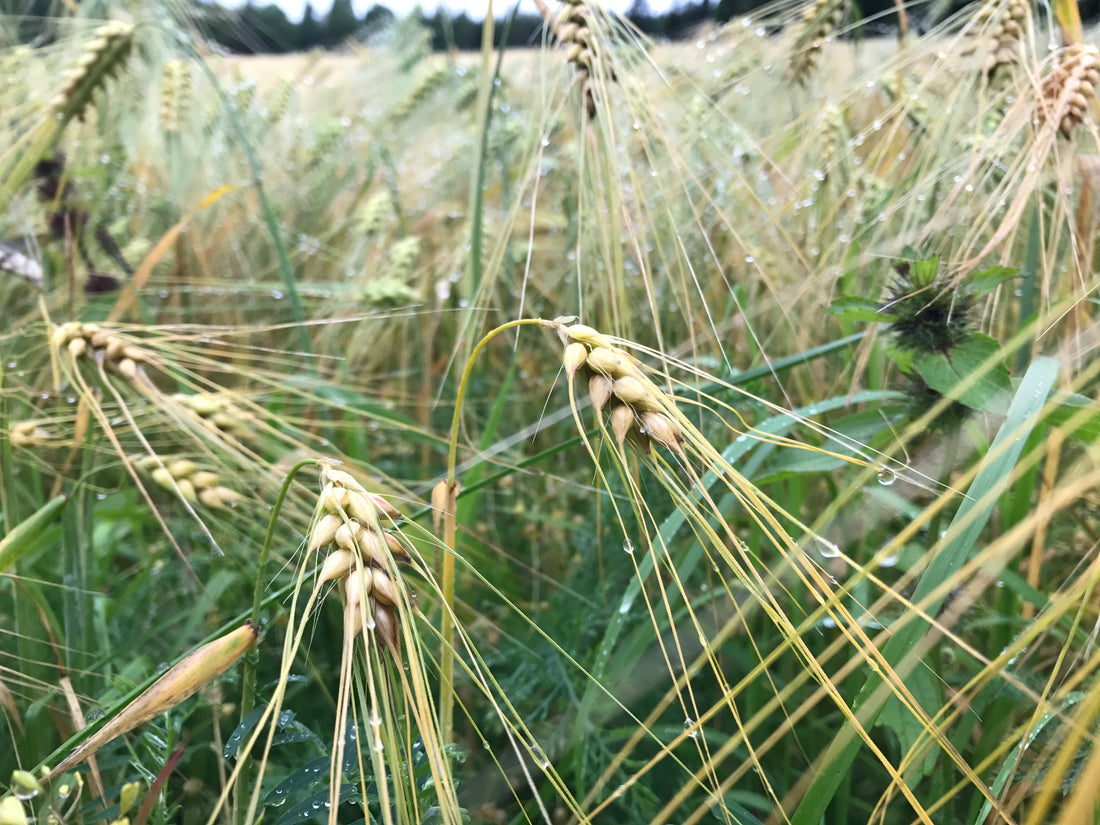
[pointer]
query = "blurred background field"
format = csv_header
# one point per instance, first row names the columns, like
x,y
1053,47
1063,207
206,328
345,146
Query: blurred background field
x,y
765,361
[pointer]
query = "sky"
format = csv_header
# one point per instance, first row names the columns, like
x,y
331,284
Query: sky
x,y
475,8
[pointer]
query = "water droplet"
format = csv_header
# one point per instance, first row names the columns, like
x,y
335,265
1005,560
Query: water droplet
x,y
628,547
540,757
689,726
886,477
828,549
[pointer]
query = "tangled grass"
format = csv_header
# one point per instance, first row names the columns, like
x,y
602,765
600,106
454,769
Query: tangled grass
x,y
606,432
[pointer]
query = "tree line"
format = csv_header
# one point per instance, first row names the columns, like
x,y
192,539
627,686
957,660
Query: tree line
x,y
254,28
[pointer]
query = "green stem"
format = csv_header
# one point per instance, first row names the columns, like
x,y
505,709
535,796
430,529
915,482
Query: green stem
x,y
267,211
248,671
447,628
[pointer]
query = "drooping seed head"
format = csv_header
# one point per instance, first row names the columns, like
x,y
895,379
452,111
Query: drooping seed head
x,y
622,421
347,536
575,356
384,589
586,335
609,363
387,509
324,531
338,563
663,430
360,506
385,627
599,389
636,393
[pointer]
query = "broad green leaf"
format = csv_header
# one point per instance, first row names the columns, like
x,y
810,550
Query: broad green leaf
x,y
949,555
971,373
924,272
1079,414
902,357
853,308
984,282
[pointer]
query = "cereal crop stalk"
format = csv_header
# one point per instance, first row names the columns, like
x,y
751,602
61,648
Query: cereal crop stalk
x,y
248,671
449,489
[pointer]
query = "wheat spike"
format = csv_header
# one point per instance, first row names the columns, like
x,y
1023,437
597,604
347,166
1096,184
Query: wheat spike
x,y
1070,87
175,95
1009,25
107,347
573,29
103,55
189,480
354,530
278,100
425,87
819,20
639,410
220,414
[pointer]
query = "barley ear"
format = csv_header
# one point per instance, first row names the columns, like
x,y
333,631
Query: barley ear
x,y
103,55
198,669
820,19
1069,89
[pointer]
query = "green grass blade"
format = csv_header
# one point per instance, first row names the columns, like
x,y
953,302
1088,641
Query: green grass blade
x,y
24,536
958,546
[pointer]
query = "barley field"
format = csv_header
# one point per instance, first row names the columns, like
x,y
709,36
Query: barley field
x,y
599,432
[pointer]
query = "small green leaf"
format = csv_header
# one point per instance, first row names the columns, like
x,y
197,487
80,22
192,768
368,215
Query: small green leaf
x,y
26,535
852,308
902,357
952,374
924,272
1078,414
908,728
984,282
